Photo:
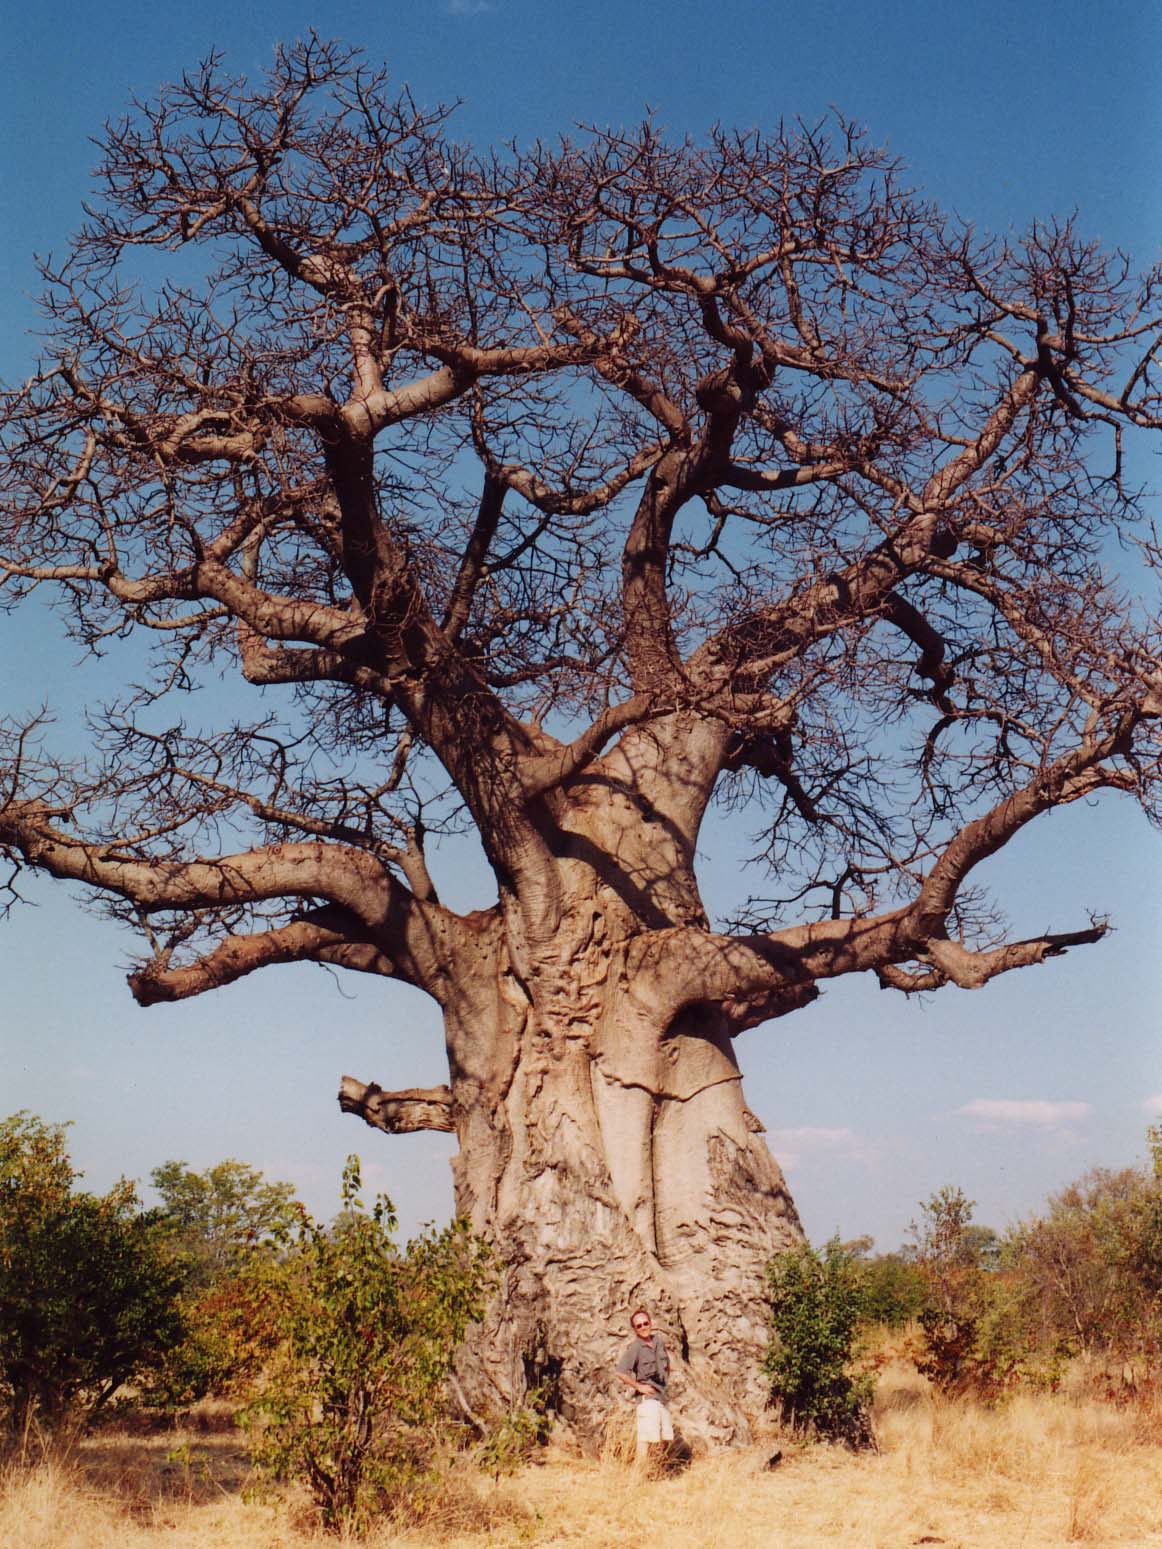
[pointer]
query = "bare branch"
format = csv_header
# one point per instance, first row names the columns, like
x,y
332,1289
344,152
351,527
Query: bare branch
x,y
397,1113
952,963
310,939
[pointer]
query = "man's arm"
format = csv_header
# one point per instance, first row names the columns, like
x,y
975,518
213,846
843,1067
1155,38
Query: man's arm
x,y
645,1388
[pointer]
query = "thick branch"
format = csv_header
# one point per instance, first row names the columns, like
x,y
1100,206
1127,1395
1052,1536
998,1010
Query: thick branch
x,y
703,966
952,963
761,642
932,664
397,1113
475,554
1080,772
265,664
308,869
310,939
550,770
378,926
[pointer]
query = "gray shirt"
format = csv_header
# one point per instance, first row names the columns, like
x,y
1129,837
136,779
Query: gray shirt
x,y
646,1359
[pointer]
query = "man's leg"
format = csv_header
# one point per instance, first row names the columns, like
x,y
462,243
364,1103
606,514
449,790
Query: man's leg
x,y
665,1447
649,1429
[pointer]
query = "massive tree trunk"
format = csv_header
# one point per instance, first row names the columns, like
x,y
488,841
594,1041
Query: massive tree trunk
x,y
606,1149
606,1187
607,1152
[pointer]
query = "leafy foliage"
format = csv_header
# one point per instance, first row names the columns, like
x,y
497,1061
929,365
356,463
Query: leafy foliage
x,y
509,1438
892,1289
1090,1266
226,1227
1080,1278
88,1293
231,1332
355,1393
950,1252
816,1309
220,1216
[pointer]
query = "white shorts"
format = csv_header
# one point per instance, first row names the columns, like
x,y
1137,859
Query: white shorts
x,y
653,1421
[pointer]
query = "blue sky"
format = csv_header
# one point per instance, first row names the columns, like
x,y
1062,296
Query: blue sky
x,y
1002,113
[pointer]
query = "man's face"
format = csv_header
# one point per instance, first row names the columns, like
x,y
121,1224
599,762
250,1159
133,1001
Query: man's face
x,y
642,1326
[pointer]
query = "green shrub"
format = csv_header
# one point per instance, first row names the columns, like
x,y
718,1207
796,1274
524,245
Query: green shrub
x,y
508,1439
1090,1265
892,1289
355,1395
1010,1351
816,1309
89,1296
947,1253
228,1228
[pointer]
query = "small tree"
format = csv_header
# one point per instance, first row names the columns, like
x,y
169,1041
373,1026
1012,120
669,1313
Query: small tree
x,y
226,1227
816,1308
88,1294
1090,1266
368,1336
955,1257
220,1216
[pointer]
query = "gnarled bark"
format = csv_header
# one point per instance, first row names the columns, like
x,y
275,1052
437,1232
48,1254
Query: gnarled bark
x,y
397,1113
608,1154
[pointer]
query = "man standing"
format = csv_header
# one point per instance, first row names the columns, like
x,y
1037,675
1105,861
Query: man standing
x,y
645,1367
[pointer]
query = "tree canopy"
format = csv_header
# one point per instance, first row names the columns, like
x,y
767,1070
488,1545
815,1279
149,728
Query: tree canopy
x,y
88,1292
218,1217
461,448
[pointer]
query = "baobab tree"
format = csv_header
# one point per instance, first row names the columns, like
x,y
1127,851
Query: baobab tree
x,y
562,493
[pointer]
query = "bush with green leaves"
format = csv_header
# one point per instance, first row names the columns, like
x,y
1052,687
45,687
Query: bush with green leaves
x,y
89,1295
955,1256
1090,1265
816,1311
508,1439
228,1227
892,1290
355,1396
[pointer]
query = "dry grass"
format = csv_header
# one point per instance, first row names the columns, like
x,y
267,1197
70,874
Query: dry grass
x,y
1039,1471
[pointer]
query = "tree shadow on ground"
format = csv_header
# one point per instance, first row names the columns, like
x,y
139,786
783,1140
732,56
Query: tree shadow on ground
x,y
149,1463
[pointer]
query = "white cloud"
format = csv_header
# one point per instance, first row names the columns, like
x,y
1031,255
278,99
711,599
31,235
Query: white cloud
x,y
808,1139
1153,1105
1007,1110
468,7
793,1146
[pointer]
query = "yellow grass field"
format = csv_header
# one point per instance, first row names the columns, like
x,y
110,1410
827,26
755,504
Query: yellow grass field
x,y
1038,1471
